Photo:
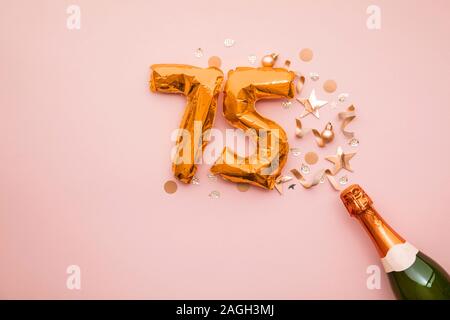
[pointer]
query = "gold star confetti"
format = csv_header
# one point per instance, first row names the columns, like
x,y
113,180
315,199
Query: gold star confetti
x,y
341,160
312,105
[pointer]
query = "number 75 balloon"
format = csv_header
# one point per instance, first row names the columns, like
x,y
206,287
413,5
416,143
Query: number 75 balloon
x,y
243,88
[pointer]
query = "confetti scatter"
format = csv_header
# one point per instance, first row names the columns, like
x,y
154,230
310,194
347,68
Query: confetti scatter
x,y
170,187
300,83
322,138
330,86
346,117
195,180
319,177
322,179
314,76
286,104
297,174
198,53
354,142
214,194
343,97
311,105
214,61
243,187
212,177
305,169
341,161
296,152
311,158
284,179
280,181
252,58
306,55
343,180
228,42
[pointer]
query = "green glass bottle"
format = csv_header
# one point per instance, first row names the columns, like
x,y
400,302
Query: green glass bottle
x,y
412,275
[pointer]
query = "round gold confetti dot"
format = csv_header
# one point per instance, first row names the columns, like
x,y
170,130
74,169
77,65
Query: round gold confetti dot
x,y
214,61
311,158
330,86
170,187
243,187
306,54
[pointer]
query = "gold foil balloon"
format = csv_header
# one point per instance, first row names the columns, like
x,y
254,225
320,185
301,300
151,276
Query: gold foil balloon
x,y
201,87
244,87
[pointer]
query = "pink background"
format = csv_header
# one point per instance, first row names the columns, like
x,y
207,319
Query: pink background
x,y
84,149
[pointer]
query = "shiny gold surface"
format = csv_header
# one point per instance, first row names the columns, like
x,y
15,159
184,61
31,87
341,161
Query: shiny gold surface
x,y
201,87
244,87
359,204
355,200
322,138
341,160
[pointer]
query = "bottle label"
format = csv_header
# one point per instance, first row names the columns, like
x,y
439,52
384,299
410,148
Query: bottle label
x,y
400,257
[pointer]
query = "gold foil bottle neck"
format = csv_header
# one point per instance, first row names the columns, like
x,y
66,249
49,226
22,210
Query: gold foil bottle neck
x,y
356,200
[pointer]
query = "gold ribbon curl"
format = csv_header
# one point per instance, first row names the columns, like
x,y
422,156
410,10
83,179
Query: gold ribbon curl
x,y
316,179
347,117
300,132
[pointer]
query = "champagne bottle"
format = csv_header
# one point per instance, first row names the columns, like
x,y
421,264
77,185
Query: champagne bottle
x,y
412,274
